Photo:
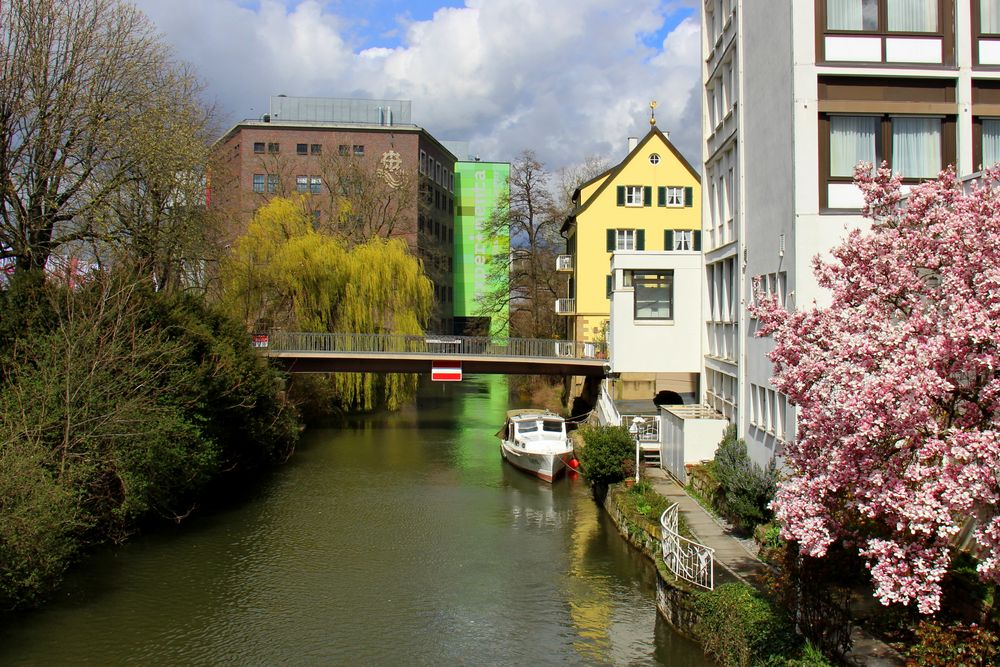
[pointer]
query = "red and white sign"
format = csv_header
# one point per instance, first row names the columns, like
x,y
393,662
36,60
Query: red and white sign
x,y
446,371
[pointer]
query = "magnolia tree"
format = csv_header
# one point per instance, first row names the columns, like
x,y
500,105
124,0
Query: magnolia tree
x,y
898,387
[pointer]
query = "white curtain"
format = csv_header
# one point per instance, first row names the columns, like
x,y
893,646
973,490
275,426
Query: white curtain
x,y
989,17
991,141
912,15
916,147
852,140
843,15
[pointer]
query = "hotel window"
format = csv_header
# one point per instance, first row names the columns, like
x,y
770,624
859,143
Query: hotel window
x,y
916,146
315,185
316,149
272,183
989,17
258,182
273,147
654,295
852,140
301,149
890,15
258,147
913,145
991,141
301,183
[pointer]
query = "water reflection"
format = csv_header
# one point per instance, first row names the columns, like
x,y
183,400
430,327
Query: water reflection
x,y
390,539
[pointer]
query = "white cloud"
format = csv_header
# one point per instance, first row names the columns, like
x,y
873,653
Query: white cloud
x,y
568,78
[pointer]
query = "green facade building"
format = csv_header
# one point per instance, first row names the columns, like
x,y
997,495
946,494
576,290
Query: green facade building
x,y
480,187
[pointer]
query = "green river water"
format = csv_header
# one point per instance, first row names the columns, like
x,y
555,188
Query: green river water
x,y
398,539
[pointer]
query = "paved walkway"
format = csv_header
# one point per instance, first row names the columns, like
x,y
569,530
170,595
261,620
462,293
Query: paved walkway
x,y
730,554
738,563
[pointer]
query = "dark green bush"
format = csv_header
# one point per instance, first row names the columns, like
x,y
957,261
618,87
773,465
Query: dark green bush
x,y
605,449
740,628
744,488
957,645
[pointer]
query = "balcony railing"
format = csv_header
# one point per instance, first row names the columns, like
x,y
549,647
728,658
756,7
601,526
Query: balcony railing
x,y
566,306
564,263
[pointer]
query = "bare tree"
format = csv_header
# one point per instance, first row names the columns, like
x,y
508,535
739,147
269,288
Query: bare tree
x,y
526,280
100,131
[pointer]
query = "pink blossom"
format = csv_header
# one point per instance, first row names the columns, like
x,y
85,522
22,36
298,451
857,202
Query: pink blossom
x,y
898,387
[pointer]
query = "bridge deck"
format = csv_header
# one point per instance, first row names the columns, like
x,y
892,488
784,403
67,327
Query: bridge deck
x,y
386,353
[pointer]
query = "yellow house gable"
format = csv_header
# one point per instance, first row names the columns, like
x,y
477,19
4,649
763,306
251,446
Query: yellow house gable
x,y
649,201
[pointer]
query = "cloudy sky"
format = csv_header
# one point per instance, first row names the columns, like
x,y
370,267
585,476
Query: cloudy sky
x,y
568,78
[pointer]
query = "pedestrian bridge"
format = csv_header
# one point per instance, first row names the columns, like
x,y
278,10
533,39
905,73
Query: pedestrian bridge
x,y
391,353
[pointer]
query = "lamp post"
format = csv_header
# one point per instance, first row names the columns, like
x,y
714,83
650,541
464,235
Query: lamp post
x,y
634,430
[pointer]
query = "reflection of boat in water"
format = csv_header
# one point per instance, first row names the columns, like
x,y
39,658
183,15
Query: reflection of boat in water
x,y
535,441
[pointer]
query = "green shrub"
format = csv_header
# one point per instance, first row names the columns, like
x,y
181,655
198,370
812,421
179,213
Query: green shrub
x,y
745,490
740,628
956,645
605,449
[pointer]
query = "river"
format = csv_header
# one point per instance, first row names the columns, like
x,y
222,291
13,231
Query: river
x,y
394,539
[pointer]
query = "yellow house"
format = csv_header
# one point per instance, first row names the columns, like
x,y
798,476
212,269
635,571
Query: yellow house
x,y
650,201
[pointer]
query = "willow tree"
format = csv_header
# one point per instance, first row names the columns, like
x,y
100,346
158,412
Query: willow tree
x,y
283,273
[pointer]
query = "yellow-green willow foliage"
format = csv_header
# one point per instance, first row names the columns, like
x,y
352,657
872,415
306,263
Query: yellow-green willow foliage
x,y
283,273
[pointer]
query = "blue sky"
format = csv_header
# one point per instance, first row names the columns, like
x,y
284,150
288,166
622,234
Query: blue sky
x,y
569,79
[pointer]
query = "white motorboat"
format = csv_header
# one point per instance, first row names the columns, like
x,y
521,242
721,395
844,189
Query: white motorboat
x,y
535,441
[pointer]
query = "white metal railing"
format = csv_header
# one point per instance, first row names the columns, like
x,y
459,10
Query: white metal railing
x,y
649,427
436,344
565,306
564,263
687,559
607,412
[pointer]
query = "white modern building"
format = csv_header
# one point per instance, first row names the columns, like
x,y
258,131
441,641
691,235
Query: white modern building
x,y
795,93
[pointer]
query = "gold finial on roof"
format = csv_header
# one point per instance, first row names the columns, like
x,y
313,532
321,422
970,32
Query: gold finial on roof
x,y
652,113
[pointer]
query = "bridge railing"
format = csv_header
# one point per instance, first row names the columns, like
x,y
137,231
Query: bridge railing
x,y
433,344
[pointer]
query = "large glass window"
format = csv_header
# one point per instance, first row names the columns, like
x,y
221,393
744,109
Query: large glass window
x,y
852,15
991,141
654,295
900,15
272,183
989,17
301,183
852,140
916,146
315,185
258,182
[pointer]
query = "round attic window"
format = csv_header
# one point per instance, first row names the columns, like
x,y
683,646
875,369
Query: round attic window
x,y
654,158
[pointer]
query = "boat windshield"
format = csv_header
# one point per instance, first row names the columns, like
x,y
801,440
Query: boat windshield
x,y
552,426
527,427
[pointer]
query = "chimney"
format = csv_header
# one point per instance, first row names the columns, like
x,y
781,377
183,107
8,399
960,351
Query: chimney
x,y
632,143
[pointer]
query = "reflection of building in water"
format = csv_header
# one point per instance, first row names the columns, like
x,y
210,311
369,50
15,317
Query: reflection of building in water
x,y
589,597
535,508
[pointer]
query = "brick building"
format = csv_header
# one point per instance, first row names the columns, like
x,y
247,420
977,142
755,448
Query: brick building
x,y
362,168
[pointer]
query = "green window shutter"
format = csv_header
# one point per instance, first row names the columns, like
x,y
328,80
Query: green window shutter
x,y
647,195
689,196
668,240
607,285
621,195
661,195
640,239
697,240
611,240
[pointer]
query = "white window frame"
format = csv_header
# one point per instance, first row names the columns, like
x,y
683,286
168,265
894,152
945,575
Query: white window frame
x,y
625,239
683,239
675,196
633,195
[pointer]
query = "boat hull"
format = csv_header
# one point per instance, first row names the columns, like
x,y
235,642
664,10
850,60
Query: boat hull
x,y
545,466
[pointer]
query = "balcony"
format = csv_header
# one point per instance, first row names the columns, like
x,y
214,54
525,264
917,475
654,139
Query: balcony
x,y
565,306
564,263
